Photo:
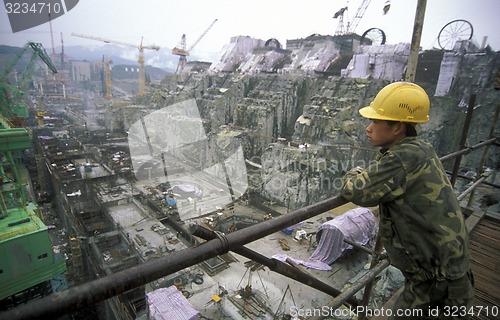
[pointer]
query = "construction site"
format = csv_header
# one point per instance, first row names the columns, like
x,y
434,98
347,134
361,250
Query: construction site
x,y
214,193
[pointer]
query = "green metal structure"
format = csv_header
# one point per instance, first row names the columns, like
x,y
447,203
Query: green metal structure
x,y
26,256
12,93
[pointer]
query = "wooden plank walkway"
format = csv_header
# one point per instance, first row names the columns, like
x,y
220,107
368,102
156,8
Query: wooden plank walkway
x,y
485,263
484,231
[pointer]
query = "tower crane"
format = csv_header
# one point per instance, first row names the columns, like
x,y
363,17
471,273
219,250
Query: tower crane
x,y
351,26
107,78
182,52
141,47
370,36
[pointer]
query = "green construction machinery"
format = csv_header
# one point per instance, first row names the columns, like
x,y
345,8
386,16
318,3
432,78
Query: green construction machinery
x,y
12,88
27,262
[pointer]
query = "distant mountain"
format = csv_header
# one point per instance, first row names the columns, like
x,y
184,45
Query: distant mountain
x,y
95,54
9,49
130,72
163,58
8,55
121,68
120,55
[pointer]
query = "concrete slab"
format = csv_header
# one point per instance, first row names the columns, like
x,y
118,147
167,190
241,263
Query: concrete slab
x,y
279,293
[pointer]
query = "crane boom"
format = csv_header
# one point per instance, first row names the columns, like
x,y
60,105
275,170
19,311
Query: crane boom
x,y
202,35
12,106
182,52
351,25
153,47
359,14
40,51
140,60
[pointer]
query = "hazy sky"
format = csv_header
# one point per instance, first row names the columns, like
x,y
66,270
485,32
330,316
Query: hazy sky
x,y
162,22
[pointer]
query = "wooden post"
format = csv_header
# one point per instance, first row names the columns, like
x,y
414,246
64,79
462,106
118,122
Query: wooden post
x,y
411,68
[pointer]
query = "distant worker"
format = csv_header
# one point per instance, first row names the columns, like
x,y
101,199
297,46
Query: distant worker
x,y
421,224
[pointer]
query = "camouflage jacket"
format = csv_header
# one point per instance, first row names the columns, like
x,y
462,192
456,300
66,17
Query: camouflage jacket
x,y
421,224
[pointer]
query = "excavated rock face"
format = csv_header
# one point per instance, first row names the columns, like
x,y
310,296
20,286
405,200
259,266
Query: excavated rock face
x,y
305,132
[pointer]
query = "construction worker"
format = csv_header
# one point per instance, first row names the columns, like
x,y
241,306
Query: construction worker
x,y
421,224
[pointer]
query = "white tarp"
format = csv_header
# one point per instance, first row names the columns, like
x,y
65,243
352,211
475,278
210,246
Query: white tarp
x,y
358,225
170,304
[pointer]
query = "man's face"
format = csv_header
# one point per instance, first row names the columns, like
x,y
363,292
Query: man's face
x,y
382,134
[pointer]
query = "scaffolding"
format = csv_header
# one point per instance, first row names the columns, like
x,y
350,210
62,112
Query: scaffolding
x,y
76,273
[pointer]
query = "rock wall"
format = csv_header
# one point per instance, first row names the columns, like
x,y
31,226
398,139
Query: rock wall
x,y
305,131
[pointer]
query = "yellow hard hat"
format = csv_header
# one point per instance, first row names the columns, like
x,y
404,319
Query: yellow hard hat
x,y
399,101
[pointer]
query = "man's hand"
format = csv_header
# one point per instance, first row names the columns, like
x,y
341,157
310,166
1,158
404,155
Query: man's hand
x,y
357,169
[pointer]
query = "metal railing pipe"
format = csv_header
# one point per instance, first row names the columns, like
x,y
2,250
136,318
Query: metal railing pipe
x,y
473,186
275,265
87,294
467,150
369,285
494,185
356,286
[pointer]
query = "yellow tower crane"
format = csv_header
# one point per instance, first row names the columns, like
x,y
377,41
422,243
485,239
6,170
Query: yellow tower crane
x,y
141,47
107,78
182,52
39,112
